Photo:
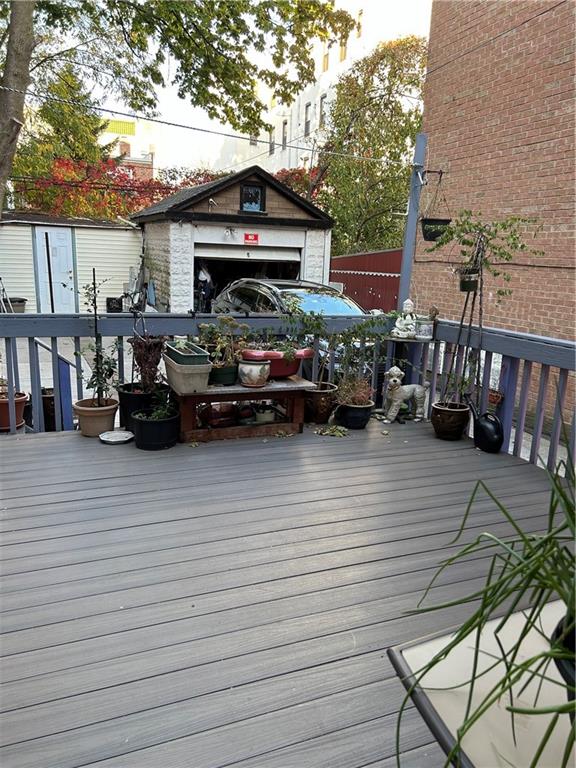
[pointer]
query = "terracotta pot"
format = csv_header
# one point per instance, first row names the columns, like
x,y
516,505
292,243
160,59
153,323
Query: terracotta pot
x,y
320,403
280,367
450,420
254,373
20,400
94,420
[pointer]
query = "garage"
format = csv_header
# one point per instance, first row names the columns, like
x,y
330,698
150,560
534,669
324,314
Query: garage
x,y
223,265
246,224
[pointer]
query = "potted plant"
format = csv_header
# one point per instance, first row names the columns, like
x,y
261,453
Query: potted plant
x,y
157,427
484,245
223,340
20,400
138,395
185,352
96,414
355,404
524,570
433,229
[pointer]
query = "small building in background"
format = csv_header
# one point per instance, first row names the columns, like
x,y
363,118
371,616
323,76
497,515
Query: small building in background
x,y
246,224
372,279
48,259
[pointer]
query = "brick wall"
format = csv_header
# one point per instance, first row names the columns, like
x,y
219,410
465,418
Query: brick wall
x,y
500,124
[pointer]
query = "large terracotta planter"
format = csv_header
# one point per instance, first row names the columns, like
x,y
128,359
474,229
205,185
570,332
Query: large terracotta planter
x,y
94,420
280,367
20,400
450,420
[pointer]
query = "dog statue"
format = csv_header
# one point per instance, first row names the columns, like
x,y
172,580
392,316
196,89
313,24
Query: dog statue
x,y
398,393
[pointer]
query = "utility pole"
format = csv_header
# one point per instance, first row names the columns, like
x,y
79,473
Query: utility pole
x,y
416,183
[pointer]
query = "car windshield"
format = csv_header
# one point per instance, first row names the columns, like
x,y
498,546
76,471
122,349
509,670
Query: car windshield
x,y
320,302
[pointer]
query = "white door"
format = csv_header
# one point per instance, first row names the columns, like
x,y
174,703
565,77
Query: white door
x,y
55,269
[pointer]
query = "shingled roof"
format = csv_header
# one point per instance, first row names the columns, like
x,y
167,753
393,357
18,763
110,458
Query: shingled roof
x,y
170,206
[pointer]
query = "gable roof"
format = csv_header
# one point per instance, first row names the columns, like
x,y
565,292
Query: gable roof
x,y
173,204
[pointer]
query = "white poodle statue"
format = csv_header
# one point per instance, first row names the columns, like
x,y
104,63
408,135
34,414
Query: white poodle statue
x,y
398,393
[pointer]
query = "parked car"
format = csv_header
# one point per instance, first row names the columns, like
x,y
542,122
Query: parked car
x,y
284,297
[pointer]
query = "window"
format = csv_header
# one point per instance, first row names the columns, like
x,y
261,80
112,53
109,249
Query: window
x,y
343,48
322,111
252,198
359,23
284,134
244,299
253,140
307,111
271,142
325,58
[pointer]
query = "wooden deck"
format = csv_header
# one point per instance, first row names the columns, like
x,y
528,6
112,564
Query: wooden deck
x,y
232,603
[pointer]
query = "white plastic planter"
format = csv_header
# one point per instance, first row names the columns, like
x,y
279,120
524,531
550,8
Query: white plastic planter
x,y
186,379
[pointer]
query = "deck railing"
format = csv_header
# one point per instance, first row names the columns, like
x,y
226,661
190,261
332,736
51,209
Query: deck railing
x,y
533,374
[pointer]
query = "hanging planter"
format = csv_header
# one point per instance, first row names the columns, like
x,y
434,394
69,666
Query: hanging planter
x,y
433,229
469,280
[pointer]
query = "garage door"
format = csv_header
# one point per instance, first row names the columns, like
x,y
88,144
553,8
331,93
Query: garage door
x,y
240,253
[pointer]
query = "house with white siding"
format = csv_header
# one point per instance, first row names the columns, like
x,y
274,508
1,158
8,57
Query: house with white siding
x,y
246,224
48,259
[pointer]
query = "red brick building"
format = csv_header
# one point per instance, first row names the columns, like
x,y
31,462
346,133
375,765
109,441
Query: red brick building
x,y
499,114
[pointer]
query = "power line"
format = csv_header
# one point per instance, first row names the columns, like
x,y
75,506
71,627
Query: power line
x,y
496,37
225,134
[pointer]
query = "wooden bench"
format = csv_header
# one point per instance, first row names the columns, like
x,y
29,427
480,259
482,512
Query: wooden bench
x,y
291,391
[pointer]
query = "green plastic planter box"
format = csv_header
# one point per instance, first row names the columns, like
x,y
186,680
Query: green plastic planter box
x,y
192,355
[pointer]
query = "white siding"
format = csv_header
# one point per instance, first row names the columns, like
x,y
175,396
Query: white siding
x,y
112,252
17,262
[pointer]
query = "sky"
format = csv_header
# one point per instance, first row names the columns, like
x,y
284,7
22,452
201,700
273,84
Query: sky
x,y
181,147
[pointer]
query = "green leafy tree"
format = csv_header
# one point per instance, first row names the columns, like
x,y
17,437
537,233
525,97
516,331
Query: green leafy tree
x,y
376,114
61,131
214,49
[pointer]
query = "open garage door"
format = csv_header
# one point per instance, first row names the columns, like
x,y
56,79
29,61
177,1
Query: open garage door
x,y
228,263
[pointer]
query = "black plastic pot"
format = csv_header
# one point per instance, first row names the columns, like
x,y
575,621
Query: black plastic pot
x,y
566,666
225,376
450,420
433,229
469,282
353,416
155,434
132,401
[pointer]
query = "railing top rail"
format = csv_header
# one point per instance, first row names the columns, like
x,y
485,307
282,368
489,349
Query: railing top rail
x,y
540,349
525,346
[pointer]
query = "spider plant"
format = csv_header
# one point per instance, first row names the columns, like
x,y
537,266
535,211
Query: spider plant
x,y
526,571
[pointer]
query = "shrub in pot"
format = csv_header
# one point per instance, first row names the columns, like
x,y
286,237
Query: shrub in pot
x,y
355,404
224,340
525,570
138,395
20,400
158,427
96,414
450,419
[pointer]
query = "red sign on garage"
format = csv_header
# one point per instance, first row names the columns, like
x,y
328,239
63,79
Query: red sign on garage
x,y
251,238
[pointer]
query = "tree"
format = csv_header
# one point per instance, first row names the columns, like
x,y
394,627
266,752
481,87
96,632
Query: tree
x,y
60,131
214,48
103,190
376,114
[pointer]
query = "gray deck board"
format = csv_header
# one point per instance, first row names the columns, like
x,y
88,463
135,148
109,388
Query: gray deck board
x,y
230,604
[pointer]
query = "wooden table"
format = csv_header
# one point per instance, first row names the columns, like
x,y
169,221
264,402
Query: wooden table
x,y
292,391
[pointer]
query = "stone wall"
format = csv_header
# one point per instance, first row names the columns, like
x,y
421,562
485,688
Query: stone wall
x,y
316,256
181,266
157,260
